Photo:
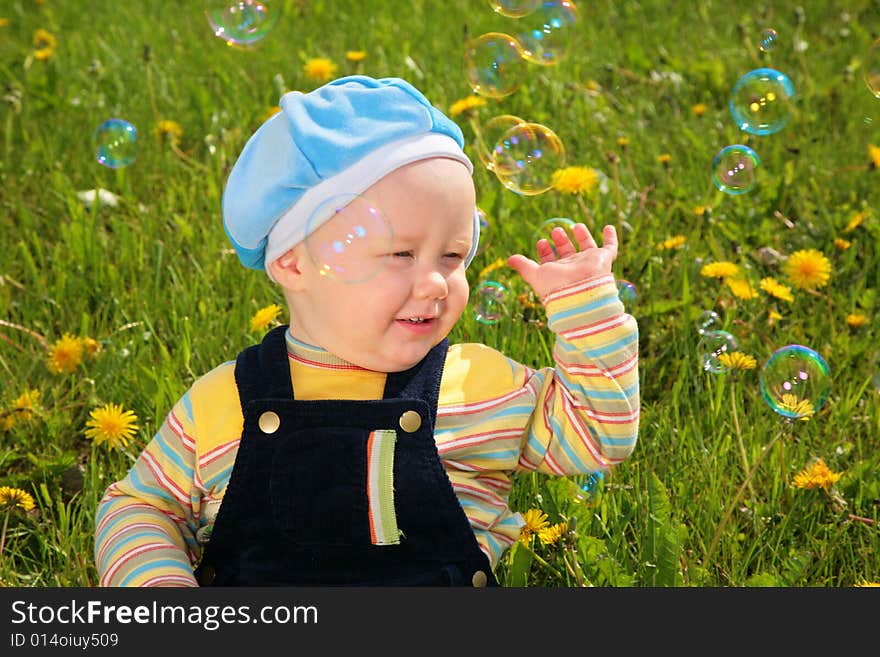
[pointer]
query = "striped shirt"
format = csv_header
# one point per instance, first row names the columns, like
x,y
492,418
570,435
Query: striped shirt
x,y
495,417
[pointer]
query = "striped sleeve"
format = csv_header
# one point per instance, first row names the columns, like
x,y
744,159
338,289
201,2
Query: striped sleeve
x,y
587,406
145,524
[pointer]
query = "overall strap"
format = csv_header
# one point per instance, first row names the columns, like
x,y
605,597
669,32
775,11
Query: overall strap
x,y
263,370
421,381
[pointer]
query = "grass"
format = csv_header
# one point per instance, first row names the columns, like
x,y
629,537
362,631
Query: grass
x,y
707,499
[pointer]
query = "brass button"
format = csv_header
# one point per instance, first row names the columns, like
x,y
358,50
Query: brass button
x,y
479,579
410,421
269,422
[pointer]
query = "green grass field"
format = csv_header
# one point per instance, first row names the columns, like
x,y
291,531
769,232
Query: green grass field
x,y
711,496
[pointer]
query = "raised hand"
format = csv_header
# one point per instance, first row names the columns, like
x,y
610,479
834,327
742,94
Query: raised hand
x,y
567,264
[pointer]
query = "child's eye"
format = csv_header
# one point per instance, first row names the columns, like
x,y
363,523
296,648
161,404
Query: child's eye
x,y
403,254
456,256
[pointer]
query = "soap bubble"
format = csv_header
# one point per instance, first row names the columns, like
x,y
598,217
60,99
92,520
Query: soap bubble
x,y
526,157
547,32
489,134
242,23
495,64
116,143
627,293
872,69
734,169
761,101
547,227
485,232
347,237
795,381
514,8
768,40
490,301
711,345
707,320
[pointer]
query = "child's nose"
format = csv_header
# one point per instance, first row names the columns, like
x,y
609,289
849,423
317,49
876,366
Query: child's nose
x,y
431,284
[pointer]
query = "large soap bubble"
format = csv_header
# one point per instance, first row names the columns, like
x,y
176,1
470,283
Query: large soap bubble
x,y
761,101
795,381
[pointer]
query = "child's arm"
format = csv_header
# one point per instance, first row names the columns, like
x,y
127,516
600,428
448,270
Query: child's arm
x,y
587,406
144,532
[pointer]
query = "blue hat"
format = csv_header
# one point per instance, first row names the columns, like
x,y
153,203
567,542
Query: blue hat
x,y
338,139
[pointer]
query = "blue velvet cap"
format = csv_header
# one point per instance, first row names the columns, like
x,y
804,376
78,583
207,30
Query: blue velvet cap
x,y
338,139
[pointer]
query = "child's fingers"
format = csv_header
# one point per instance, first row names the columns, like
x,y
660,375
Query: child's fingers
x,y
583,236
609,240
545,251
564,247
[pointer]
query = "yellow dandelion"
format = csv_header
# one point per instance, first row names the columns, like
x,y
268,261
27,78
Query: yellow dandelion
x,y
111,424
4,22
808,269
865,582
665,159
699,109
535,522
319,69
623,142
817,475
170,131
15,498
773,317
801,408
91,347
741,288
44,44
776,289
492,266
671,243
855,222
551,535
856,320
65,355
874,154
272,111
841,244
737,360
575,180
265,317
700,210
26,403
722,269
356,55
466,104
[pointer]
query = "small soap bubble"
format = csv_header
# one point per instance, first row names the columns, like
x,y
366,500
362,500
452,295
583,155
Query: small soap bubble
x,y
488,135
872,69
627,293
485,232
514,8
348,238
795,381
734,169
243,23
761,101
526,157
116,143
546,227
712,344
707,321
495,64
490,301
546,34
769,39
589,483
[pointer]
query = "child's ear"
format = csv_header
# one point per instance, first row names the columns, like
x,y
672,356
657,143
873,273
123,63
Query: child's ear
x,y
286,271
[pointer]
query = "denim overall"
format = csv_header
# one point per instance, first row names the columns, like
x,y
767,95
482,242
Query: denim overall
x,y
297,512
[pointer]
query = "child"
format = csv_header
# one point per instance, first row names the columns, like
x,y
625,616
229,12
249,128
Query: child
x,y
356,446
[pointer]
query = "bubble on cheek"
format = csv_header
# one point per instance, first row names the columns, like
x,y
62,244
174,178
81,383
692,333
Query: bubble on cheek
x,y
348,238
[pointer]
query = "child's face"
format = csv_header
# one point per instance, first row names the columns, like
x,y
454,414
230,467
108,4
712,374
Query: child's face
x,y
430,206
